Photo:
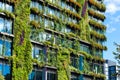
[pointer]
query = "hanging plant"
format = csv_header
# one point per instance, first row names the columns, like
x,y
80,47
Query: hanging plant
x,y
36,11
96,14
71,13
35,24
7,14
99,46
12,1
48,2
74,3
73,69
98,75
72,25
99,6
96,24
97,35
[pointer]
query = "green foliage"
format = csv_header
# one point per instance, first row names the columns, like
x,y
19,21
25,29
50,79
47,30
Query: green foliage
x,y
117,52
84,34
22,60
63,61
7,14
1,77
97,25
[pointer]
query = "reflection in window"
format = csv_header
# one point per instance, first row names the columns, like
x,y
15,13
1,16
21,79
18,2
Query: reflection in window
x,y
5,6
5,25
5,70
36,75
5,48
37,53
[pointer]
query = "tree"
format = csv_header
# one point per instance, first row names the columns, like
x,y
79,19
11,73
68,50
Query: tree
x,y
117,53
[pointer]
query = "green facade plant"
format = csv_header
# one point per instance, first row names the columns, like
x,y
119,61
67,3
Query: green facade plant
x,y
22,54
22,59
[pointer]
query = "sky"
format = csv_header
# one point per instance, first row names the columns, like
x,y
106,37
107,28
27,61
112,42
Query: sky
x,y
113,27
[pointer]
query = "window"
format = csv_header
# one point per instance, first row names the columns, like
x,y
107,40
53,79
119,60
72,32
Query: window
x,y
5,70
51,75
5,6
74,77
46,23
37,53
5,47
36,5
67,29
85,48
36,75
5,25
63,5
74,61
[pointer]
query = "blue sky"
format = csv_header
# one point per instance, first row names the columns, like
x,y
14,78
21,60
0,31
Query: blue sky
x,y
113,26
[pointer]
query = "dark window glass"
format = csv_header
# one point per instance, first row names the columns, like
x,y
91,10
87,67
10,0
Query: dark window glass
x,y
74,77
51,76
36,75
74,61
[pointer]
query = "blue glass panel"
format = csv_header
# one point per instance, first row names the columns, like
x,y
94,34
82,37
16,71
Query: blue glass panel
x,y
6,72
81,63
32,75
0,68
8,26
1,47
7,48
1,24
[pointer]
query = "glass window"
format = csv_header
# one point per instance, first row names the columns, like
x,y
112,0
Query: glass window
x,y
5,70
1,24
74,77
67,30
31,17
40,6
5,25
85,48
37,53
74,61
46,23
34,35
51,75
36,75
5,48
63,4
5,6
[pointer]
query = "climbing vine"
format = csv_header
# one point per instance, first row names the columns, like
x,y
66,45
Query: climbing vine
x,y
22,60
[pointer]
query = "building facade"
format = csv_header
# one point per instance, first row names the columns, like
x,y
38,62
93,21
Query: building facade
x,y
111,70
52,39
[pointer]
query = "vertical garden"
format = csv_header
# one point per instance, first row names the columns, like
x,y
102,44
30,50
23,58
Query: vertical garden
x,y
68,33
